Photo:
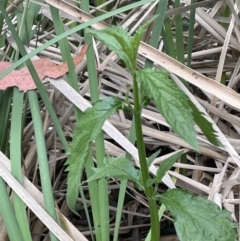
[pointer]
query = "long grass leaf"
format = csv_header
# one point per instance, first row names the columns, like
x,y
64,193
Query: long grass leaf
x,y
93,192
99,142
157,27
5,108
8,215
42,158
191,34
5,2
65,53
123,187
179,34
170,50
15,156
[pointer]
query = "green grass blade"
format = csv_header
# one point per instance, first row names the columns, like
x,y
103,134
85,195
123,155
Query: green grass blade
x,y
99,142
169,39
179,34
26,20
42,158
87,213
25,23
93,192
15,156
5,2
8,215
65,53
98,3
5,108
123,187
157,27
191,34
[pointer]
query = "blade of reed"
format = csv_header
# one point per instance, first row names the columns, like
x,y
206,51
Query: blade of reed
x,y
5,109
99,142
93,193
25,23
8,215
179,34
157,28
65,53
98,3
5,103
25,20
168,39
87,213
191,33
15,156
42,158
123,187
5,2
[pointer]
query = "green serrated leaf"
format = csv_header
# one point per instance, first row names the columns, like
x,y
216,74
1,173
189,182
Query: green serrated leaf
x,y
166,165
171,102
119,40
198,219
86,131
119,167
204,125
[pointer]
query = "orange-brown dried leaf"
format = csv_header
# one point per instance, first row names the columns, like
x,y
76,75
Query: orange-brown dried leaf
x,y
44,67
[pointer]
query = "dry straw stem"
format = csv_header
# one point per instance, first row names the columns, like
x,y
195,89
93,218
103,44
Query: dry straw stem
x,y
33,198
30,201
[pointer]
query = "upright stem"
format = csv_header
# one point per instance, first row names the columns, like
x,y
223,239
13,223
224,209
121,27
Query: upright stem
x,y
143,163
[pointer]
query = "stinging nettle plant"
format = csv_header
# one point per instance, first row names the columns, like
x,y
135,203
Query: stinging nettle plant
x,y
195,218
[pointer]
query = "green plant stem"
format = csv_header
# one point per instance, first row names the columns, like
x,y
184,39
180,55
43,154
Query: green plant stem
x,y
143,163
